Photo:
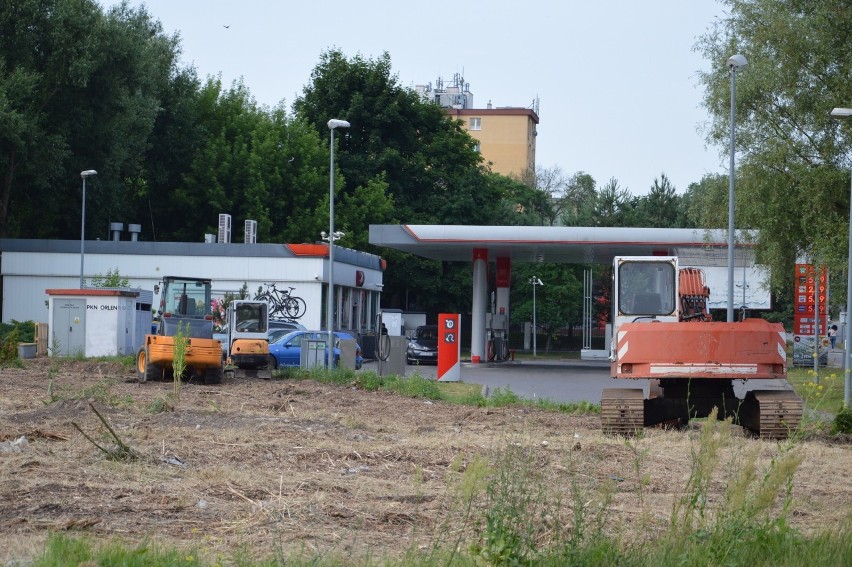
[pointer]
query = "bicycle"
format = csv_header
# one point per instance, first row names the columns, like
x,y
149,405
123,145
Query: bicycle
x,y
282,303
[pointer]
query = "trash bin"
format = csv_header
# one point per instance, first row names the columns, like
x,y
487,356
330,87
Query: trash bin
x,y
26,350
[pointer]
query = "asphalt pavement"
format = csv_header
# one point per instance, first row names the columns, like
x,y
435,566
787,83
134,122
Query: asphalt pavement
x,y
560,380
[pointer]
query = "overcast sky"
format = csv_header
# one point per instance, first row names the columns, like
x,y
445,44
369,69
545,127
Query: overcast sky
x,y
616,79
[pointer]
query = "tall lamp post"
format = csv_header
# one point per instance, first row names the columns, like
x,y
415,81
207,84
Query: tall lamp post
x,y
734,63
333,125
84,175
843,113
535,282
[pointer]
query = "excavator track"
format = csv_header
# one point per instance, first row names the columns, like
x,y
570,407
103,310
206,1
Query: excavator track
x,y
622,411
772,414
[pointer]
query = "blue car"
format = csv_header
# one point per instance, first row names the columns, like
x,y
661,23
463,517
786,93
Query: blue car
x,y
286,350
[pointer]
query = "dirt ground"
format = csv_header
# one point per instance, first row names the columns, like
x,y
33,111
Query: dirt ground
x,y
279,465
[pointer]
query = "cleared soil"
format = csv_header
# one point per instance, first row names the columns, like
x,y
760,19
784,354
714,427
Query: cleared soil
x,y
281,466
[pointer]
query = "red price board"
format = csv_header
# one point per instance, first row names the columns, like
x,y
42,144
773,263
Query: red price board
x,y
807,288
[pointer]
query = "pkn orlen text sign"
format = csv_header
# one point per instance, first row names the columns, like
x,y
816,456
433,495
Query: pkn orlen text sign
x,y
449,347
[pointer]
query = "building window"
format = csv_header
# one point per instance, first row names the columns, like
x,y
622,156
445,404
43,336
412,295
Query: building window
x,y
477,148
476,123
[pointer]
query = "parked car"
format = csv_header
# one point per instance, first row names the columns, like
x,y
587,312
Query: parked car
x,y
423,345
276,324
286,350
276,330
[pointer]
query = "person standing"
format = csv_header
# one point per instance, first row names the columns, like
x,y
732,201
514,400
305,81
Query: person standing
x,y
832,336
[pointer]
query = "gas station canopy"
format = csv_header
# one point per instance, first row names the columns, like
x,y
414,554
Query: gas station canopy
x,y
559,244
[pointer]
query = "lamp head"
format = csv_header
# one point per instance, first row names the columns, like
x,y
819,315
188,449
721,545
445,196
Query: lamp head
x,y
736,61
335,123
88,173
841,112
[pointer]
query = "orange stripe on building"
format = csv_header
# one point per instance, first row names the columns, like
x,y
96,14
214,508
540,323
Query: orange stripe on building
x,y
308,249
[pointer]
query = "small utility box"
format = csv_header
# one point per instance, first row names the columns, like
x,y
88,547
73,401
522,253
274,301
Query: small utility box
x,y
97,321
312,353
347,353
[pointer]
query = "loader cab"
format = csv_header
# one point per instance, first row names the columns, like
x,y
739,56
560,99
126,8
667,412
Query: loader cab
x,y
644,289
186,303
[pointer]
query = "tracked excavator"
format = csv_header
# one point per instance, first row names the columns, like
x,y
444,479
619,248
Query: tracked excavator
x,y
662,332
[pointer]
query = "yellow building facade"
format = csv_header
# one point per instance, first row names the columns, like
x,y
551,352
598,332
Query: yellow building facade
x,y
506,136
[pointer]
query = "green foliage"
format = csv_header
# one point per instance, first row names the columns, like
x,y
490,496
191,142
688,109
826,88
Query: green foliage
x,y
793,176
111,279
843,421
61,549
558,301
516,504
67,106
160,405
503,397
181,341
24,330
10,335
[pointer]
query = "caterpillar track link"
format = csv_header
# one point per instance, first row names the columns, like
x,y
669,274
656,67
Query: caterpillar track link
x,y
771,414
622,411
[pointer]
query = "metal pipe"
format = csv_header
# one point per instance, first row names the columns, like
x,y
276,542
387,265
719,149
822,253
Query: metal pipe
x,y
84,175
734,62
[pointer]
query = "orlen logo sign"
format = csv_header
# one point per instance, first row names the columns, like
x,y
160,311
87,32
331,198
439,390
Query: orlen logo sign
x,y
359,278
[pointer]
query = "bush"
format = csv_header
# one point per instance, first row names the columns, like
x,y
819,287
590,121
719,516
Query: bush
x,y
25,330
13,333
843,421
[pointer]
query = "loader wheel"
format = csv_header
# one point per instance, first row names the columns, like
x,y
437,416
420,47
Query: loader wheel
x,y
214,375
145,371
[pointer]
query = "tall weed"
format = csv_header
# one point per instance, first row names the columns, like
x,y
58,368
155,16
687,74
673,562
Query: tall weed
x,y
179,359
752,513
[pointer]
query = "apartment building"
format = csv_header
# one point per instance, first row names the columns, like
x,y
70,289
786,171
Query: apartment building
x,y
506,135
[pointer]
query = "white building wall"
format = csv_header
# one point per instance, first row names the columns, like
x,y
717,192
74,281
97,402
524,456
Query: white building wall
x,y
27,275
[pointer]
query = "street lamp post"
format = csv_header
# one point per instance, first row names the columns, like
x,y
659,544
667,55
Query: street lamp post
x,y
734,63
535,282
842,113
333,124
84,175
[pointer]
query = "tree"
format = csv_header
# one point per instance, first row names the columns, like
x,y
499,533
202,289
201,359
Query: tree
x,y
112,279
414,162
613,206
580,198
558,301
250,162
79,89
660,207
549,190
428,161
792,182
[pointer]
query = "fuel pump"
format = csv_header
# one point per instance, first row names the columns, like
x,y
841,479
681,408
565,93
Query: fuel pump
x,y
390,344
497,333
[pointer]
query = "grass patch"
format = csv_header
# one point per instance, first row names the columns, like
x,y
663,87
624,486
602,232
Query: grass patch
x,y
100,391
61,549
826,396
416,386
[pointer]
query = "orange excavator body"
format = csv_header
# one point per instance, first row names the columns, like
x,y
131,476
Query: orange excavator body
x,y
663,332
